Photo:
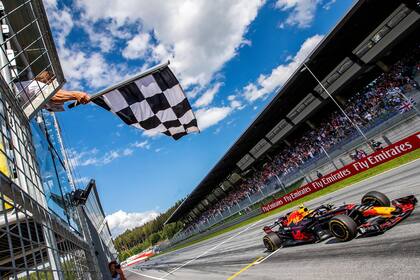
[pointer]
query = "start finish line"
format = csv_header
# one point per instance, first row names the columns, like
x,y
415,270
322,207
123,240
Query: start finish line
x,y
395,150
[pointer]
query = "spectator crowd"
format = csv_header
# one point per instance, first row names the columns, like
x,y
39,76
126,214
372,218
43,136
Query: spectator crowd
x,y
379,100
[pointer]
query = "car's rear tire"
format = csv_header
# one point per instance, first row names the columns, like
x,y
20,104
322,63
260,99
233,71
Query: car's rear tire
x,y
376,198
272,241
343,227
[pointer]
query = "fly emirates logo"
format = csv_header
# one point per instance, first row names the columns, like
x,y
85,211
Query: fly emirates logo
x,y
332,178
382,156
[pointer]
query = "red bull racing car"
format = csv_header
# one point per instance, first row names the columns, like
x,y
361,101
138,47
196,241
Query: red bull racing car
x,y
373,216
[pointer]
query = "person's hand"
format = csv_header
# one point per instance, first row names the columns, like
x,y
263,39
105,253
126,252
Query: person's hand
x,y
121,273
82,97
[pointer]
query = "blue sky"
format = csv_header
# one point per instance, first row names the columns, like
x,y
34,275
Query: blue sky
x,y
230,57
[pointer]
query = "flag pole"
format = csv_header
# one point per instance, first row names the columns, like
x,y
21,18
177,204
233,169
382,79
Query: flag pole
x,y
123,83
339,106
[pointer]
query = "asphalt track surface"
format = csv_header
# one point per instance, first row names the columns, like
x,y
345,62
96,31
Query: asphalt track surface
x,y
392,255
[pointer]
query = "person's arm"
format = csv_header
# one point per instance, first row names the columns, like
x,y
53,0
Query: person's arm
x,y
121,273
63,96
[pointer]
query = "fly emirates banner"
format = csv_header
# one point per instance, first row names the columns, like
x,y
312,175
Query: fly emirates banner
x,y
395,150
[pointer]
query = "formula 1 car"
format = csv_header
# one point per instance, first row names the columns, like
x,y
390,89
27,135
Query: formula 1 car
x,y
373,216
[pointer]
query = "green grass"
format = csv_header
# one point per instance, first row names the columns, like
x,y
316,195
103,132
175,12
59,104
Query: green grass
x,y
339,185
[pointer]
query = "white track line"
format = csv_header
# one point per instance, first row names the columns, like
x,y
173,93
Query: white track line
x,y
144,275
211,249
266,257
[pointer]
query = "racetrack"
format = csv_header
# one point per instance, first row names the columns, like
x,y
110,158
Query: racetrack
x,y
395,254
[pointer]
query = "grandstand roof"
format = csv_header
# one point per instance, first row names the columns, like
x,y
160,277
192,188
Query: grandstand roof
x,y
361,20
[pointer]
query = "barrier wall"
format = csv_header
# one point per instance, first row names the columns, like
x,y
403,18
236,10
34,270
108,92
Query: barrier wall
x,y
393,151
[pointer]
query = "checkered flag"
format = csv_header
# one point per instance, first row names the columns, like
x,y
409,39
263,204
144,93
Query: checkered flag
x,y
154,102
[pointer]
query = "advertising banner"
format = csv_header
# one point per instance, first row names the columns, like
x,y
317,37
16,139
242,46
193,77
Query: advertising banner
x,y
395,150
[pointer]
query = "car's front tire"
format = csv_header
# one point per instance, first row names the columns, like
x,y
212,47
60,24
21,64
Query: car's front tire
x,y
343,227
272,241
376,198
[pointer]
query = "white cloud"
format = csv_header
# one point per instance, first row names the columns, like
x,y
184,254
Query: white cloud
x,y
93,157
83,158
266,84
60,19
152,133
137,46
234,103
193,92
113,155
198,36
50,2
127,152
302,12
328,4
80,66
91,69
143,145
100,39
211,116
120,221
207,97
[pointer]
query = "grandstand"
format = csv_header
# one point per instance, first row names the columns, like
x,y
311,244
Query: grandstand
x,y
370,63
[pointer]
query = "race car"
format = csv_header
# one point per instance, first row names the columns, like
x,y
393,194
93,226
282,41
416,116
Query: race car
x,y
373,216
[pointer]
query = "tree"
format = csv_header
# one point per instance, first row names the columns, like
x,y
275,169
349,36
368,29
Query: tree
x,y
154,238
136,240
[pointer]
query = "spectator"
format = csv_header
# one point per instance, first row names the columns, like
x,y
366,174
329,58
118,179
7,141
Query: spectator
x,y
319,175
353,155
30,89
376,145
360,154
116,271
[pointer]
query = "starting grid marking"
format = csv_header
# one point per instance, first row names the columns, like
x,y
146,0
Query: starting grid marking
x,y
245,268
258,261
266,257
211,249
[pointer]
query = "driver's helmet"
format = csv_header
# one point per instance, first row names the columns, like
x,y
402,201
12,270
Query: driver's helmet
x,y
303,209
298,215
